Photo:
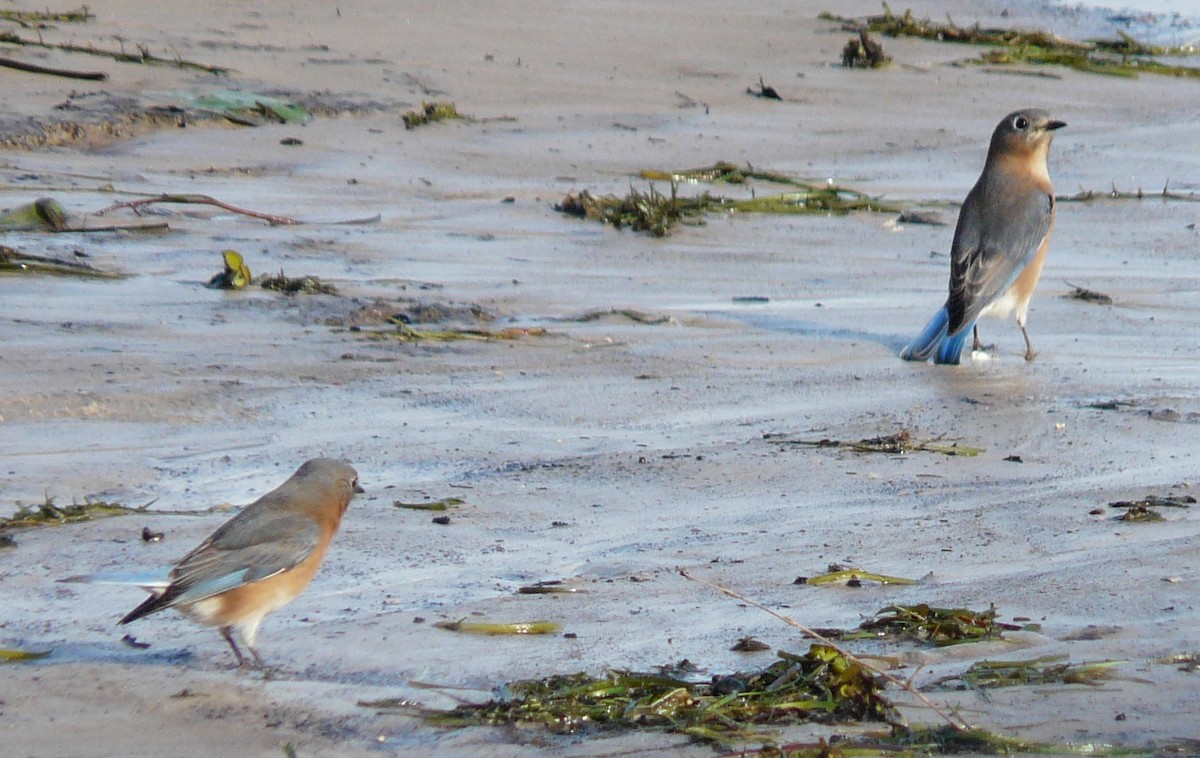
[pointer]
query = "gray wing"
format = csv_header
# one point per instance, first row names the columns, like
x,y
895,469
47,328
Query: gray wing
x,y
1002,223
255,544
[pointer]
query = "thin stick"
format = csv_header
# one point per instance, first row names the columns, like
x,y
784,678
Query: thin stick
x,y
33,68
145,56
954,723
134,205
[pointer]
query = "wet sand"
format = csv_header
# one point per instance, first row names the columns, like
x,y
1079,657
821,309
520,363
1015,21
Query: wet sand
x,y
607,452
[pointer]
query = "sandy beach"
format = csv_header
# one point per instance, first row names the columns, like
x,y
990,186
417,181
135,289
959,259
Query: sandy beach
x,y
595,448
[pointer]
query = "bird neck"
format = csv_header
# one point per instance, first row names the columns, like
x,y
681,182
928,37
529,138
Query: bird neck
x,y
1025,160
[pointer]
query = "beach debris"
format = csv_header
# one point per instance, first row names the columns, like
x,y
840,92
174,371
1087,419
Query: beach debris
x,y
244,108
7,542
129,640
438,110
549,587
939,626
651,211
1189,662
1087,295
296,285
402,332
853,577
500,628
1140,513
13,261
142,56
821,685
765,91
897,443
65,73
47,513
1143,511
443,504
191,198
39,18
234,276
1121,57
16,655
1087,196
864,52
749,645
1111,405
920,217
946,740
149,535
656,213
1044,670
42,215
1156,501
636,316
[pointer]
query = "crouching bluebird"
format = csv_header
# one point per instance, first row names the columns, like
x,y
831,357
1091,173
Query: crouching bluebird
x,y
262,558
1000,241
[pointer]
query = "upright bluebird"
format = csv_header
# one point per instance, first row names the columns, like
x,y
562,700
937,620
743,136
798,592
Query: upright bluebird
x,y
262,558
1000,241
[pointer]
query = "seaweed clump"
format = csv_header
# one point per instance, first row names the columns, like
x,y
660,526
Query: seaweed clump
x,y
940,626
47,513
822,685
864,52
657,213
1122,57
651,211
297,285
440,110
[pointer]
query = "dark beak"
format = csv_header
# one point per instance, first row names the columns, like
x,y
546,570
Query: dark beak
x,y
1052,125
358,490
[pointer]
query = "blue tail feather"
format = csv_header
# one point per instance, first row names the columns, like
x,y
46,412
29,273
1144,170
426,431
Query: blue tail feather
x,y
951,348
935,342
923,345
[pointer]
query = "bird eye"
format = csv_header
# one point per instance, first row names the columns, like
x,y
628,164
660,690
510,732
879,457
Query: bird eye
x,y
1020,123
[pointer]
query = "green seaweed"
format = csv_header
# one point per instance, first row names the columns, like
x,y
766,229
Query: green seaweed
x,y
14,655
898,443
42,215
83,15
818,686
940,626
296,285
1043,670
13,262
441,110
234,276
1122,57
657,213
47,513
519,628
443,504
841,575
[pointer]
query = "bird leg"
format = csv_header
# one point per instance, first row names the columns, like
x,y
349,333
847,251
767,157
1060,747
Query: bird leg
x,y
1030,353
976,345
242,661
227,633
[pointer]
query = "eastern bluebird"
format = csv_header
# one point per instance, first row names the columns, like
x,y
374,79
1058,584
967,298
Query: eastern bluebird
x,y
1000,241
262,558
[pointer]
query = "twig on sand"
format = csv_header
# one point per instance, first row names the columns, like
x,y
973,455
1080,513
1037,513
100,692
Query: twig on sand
x,y
33,68
953,720
134,205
